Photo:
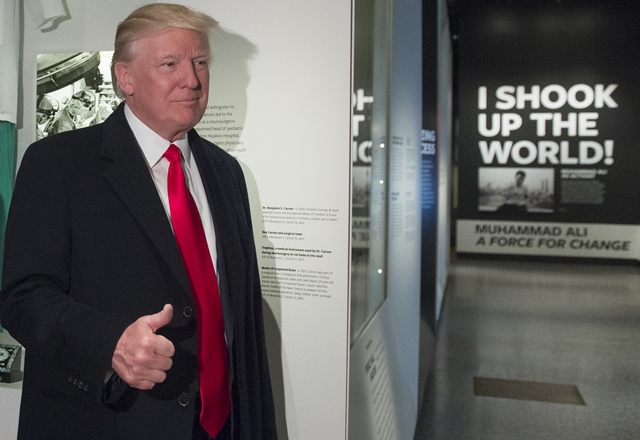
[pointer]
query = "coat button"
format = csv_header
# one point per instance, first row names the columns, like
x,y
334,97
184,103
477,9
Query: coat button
x,y
187,312
184,399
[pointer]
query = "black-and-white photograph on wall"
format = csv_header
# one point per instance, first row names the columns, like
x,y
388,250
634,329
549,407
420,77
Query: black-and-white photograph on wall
x,y
74,90
515,190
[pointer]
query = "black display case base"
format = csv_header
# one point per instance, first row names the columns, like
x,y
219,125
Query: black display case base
x,y
14,376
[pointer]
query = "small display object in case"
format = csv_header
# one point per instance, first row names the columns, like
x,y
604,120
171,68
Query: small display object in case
x,y
10,363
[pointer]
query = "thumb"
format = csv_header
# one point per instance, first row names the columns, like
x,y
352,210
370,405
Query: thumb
x,y
161,318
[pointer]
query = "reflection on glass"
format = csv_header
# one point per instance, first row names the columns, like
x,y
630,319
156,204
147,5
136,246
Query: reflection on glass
x,y
369,158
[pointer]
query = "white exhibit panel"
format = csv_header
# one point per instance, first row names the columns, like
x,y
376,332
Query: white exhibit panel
x,y
280,103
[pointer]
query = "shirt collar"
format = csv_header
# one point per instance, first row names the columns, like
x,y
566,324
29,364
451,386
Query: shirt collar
x,y
153,146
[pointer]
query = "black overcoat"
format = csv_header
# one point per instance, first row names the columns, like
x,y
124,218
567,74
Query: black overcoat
x,y
89,249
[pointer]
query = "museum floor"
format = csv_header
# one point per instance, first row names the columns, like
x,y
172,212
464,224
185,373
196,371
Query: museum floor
x,y
536,351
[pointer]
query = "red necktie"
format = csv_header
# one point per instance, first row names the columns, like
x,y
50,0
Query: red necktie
x,y
212,348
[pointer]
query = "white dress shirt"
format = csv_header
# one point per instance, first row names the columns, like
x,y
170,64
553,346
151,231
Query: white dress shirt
x,y
153,148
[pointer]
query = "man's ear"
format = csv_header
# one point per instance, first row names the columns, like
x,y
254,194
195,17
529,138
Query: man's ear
x,y
123,74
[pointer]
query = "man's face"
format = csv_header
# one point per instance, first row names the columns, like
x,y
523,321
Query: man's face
x,y
167,83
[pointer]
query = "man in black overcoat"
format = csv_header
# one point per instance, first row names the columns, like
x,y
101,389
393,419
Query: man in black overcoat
x,y
94,285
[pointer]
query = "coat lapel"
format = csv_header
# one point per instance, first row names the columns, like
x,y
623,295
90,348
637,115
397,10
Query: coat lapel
x,y
230,268
130,179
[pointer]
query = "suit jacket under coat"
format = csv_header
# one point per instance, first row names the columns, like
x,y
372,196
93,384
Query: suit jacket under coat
x,y
89,249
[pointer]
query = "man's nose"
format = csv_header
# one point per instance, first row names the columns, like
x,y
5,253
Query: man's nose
x,y
190,77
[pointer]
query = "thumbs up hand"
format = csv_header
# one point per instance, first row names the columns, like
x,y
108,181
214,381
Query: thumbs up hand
x,y
142,357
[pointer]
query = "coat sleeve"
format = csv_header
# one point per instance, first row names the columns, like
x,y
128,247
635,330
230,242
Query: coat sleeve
x,y
263,418
68,344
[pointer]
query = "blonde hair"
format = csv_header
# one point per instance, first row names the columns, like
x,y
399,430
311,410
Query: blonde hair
x,y
153,19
